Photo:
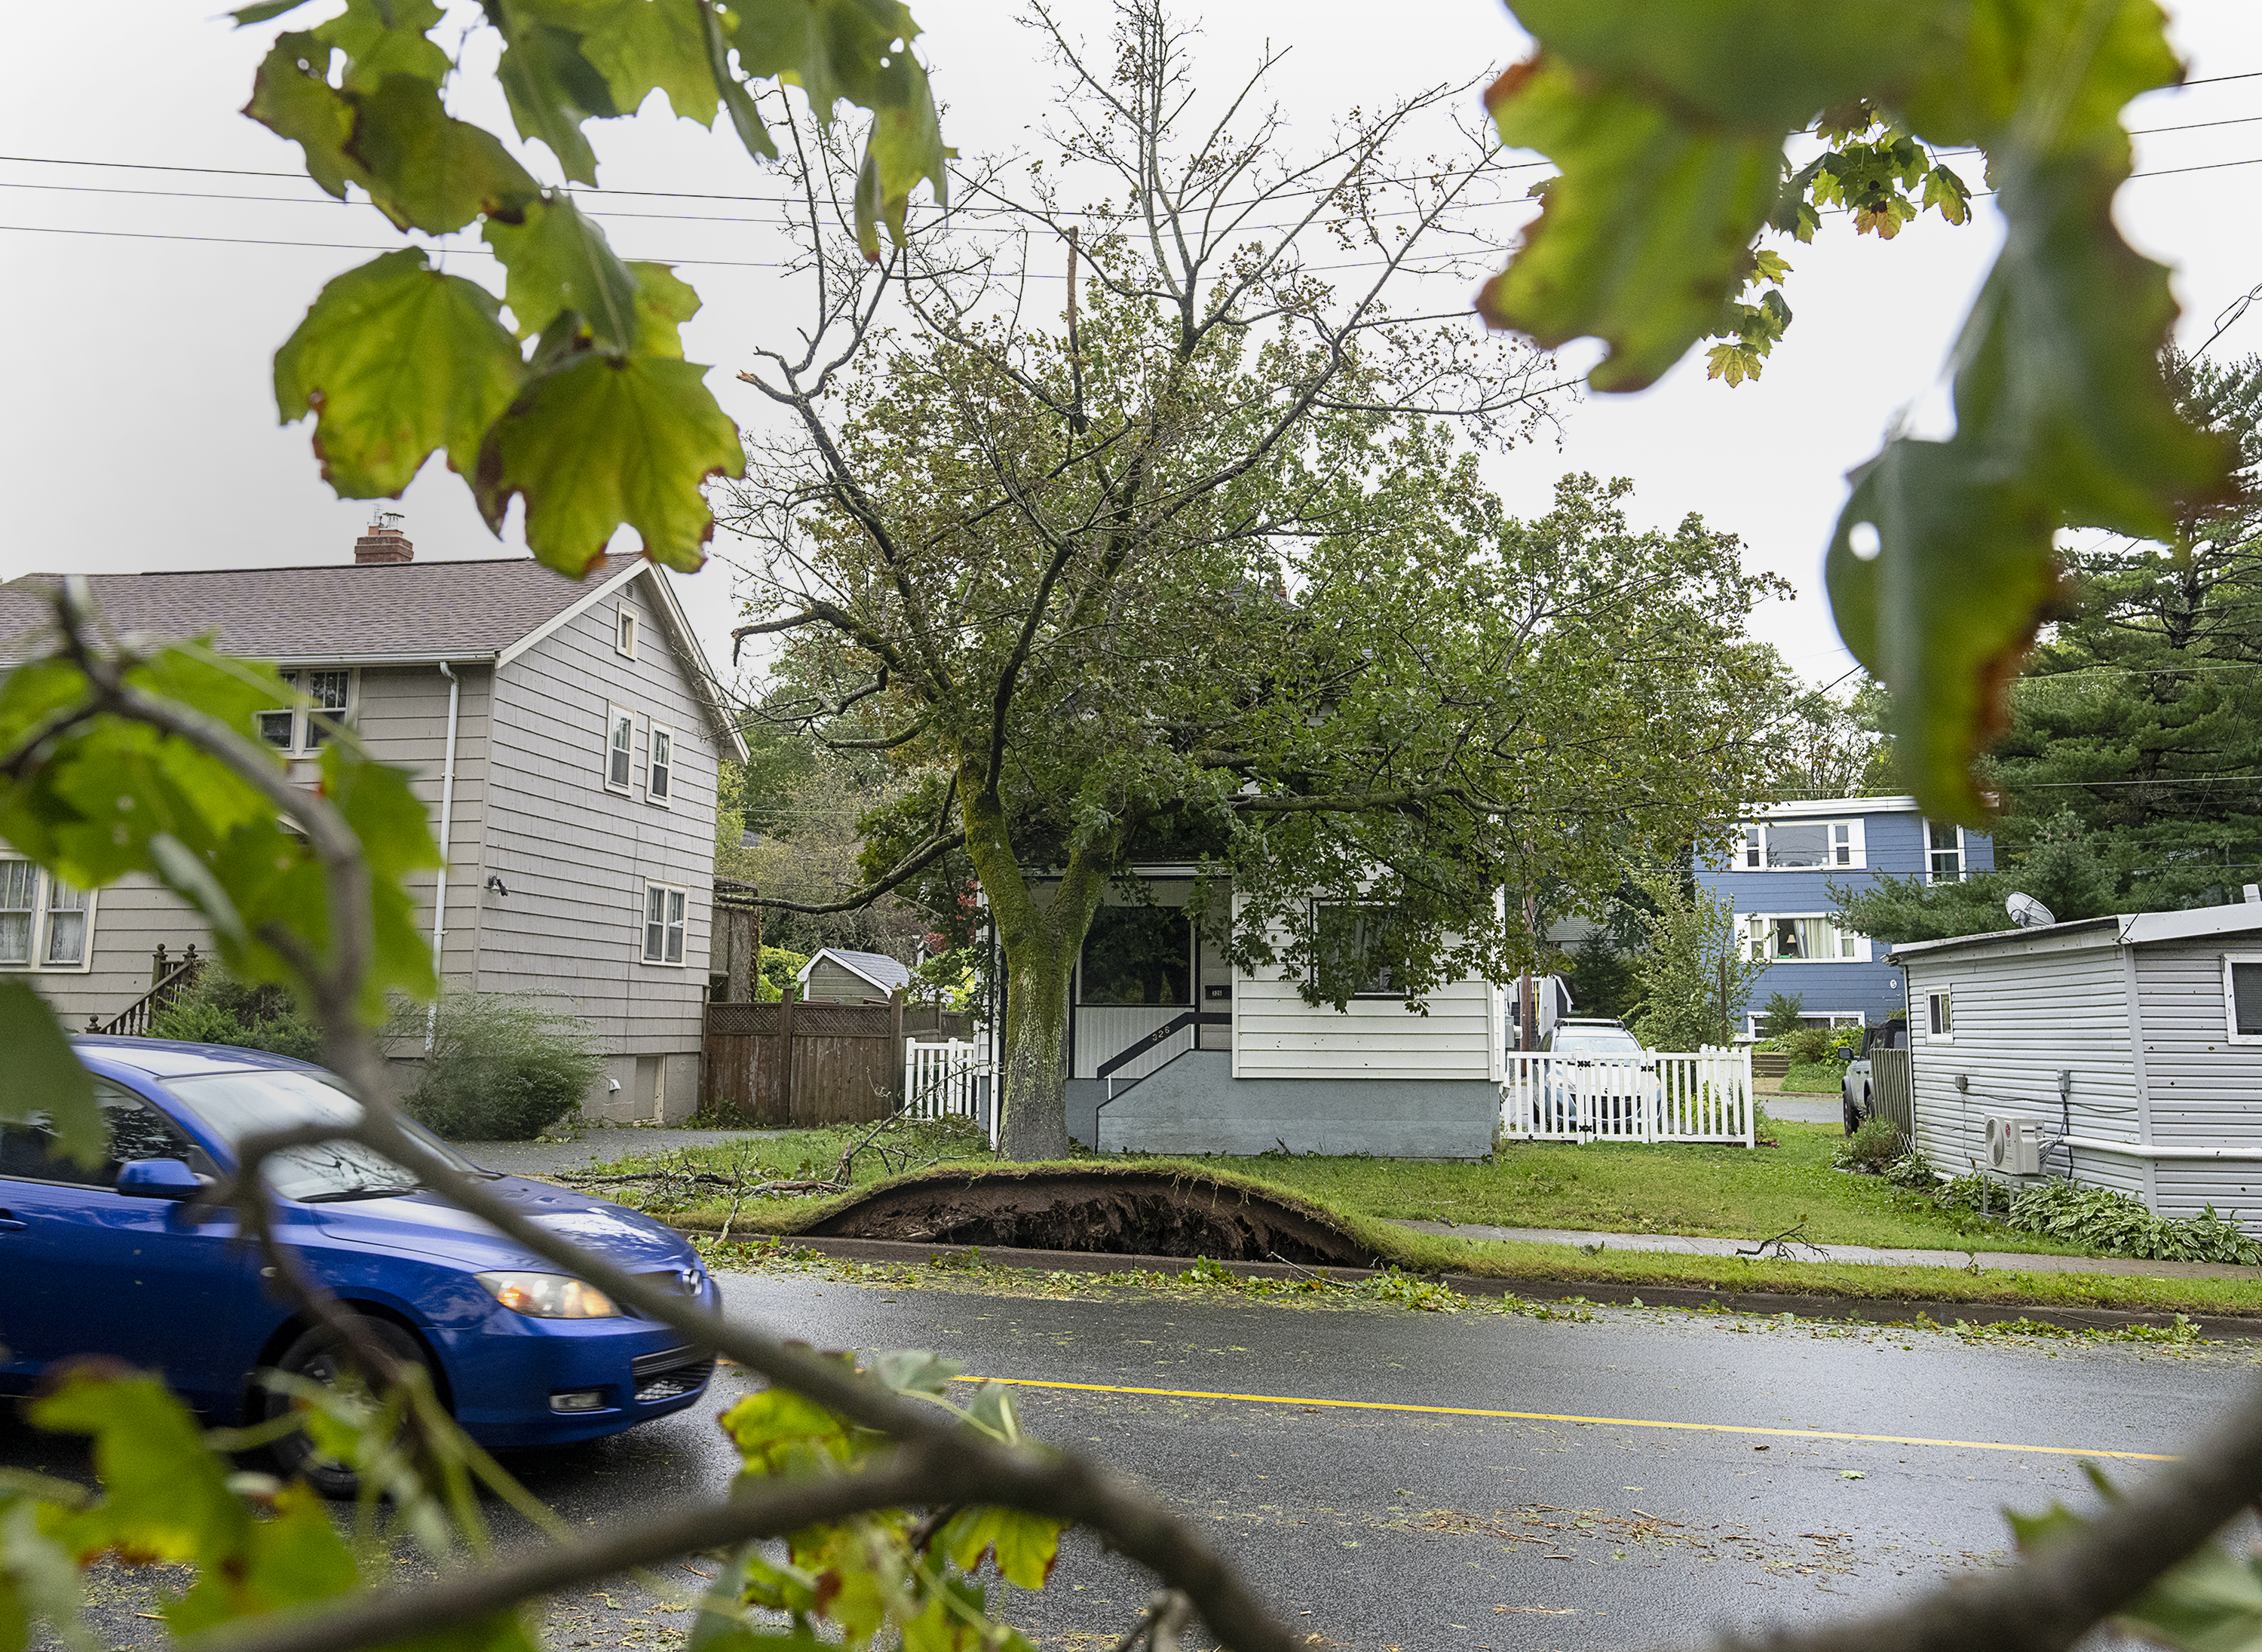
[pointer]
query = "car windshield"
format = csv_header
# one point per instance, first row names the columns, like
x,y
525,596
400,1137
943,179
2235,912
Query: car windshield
x,y
1597,1041
236,1105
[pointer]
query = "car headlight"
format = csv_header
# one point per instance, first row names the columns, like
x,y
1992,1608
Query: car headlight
x,y
549,1295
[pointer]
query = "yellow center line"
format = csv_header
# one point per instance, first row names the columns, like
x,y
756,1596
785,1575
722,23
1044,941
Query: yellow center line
x,y
1561,1416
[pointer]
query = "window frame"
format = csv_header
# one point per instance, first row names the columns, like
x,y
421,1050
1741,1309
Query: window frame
x,y
1390,995
1835,1019
1940,1010
1758,924
1752,850
626,625
614,716
42,913
2231,961
653,735
301,743
673,923
1962,852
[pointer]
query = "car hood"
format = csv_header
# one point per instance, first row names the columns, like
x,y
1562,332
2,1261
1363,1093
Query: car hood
x,y
429,1225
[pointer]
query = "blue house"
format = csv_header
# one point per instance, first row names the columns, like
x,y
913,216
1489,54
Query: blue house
x,y
1782,861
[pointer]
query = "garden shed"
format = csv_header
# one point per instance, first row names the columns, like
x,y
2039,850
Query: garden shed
x,y
2127,1048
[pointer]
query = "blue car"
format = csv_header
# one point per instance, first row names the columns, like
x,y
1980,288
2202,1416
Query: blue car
x,y
116,1261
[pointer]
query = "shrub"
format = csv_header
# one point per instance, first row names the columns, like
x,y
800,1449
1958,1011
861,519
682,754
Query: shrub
x,y
2104,1219
500,1069
220,1009
1878,1144
1911,1169
1809,1046
1781,1014
1845,1042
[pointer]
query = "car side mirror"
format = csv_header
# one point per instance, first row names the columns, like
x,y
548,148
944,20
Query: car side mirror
x,y
159,1179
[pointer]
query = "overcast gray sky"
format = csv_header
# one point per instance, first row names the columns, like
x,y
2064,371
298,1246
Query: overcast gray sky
x,y
139,430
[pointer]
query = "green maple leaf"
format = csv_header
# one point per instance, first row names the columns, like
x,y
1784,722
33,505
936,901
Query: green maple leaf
x,y
601,440
397,359
44,1077
291,98
1944,611
426,171
1643,235
664,302
645,46
387,38
558,261
551,88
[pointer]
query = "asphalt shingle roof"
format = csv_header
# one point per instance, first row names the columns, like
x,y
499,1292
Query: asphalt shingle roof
x,y
878,967
343,611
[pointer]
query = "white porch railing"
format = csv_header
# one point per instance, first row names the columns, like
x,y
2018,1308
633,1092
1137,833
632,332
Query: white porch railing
x,y
1657,1096
947,1079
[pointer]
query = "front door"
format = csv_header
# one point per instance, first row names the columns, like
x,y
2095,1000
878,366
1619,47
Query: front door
x,y
87,1270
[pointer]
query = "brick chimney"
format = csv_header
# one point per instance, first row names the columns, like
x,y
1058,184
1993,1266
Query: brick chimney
x,y
383,542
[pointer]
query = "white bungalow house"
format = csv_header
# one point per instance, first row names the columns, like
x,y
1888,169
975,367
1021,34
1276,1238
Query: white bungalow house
x,y
563,735
2127,1050
1172,1049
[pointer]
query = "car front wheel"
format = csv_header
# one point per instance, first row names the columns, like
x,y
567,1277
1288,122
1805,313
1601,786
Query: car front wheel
x,y
318,1357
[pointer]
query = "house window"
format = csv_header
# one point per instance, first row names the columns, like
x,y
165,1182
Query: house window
x,y
663,924
620,748
2242,997
1357,951
44,923
1940,1016
18,887
1803,938
1137,955
1943,852
659,779
1809,1017
308,728
624,632
1802,846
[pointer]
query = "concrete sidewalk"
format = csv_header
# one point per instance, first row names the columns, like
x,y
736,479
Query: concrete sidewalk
x,y
1683,1245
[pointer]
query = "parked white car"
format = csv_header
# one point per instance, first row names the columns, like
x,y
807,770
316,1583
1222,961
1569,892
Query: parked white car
x,y
1856,1085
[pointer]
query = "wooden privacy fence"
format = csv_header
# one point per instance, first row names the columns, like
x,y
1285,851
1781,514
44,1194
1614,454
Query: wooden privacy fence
x,y
1656,1096
1892,1088
802,1065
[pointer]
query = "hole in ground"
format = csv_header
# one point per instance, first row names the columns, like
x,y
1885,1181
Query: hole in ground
x,y
1118,1214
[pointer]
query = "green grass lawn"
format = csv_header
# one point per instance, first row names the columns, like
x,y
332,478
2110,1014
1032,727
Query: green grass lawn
x,y
1725,1191
1822,1078
1730,1192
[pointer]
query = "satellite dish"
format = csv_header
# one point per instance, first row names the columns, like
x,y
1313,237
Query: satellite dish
x,y
2028,913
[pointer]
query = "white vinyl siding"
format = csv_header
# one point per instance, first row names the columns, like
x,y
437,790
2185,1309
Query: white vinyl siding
x,y
1277,1034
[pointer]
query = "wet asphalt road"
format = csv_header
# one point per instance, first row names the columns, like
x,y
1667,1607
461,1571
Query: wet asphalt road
x,y
1380,1529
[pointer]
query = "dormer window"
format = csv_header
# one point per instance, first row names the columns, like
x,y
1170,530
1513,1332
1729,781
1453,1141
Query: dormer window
x,y
624,632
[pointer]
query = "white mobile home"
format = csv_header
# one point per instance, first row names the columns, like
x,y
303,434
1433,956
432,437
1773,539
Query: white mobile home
x,y
1172,1049
2132,1045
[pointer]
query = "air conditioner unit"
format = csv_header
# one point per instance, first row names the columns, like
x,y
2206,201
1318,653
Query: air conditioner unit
x,y
2014,1146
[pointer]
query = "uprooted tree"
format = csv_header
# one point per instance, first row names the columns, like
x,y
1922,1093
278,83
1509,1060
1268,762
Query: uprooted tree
x,y
1191,559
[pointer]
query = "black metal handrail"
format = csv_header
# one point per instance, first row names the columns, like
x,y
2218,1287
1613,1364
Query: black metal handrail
x,y
1192,1018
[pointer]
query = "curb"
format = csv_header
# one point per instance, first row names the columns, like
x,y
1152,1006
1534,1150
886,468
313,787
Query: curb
x,y
1613,1293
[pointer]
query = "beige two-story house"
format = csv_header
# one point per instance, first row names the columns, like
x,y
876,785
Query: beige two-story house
x,y
565,736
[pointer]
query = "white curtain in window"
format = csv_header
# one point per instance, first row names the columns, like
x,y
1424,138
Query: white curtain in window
x,y
66,924
17,881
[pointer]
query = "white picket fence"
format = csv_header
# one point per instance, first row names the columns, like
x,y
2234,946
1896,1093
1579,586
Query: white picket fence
x,y
946,1079
1657,1096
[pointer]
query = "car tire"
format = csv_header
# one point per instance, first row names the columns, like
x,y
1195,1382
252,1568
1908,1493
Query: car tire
x,y
1853,1113
315,1355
